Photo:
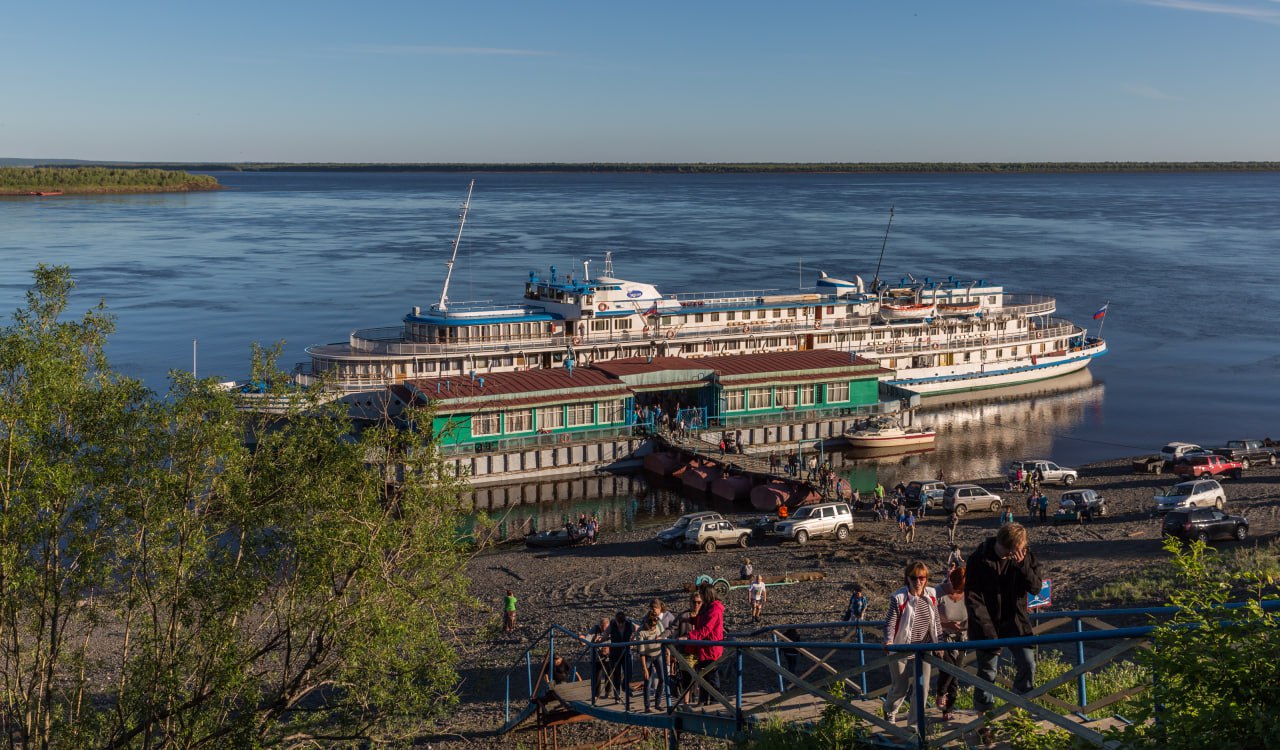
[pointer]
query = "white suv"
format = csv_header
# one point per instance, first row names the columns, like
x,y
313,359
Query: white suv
x,y
1175,452
1053,473
963,498
815,520
1200,493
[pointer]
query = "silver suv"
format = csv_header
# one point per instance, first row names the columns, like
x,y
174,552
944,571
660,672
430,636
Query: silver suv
x,y
711,533
1198,493
674,536
963,498
1053,473
816,520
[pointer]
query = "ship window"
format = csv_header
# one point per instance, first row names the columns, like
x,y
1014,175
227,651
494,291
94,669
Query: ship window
x,y
599,325
791,312
482,362
697,318
731,315
624,323
831,310
520,420
715,317
581,414
999,353
550,418
487,423
837,393
760,314
968,356
777,313
734,400
1042,348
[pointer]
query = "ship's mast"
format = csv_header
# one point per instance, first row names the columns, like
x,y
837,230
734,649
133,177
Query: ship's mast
x,y
875,281
462,221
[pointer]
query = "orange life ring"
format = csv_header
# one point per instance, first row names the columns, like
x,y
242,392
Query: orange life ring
x,y
602,307
817,324
577,339
986,339
933,347
888,348
746,329
670,332
1039,334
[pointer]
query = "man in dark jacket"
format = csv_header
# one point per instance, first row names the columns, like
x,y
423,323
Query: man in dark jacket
x,y
1001,572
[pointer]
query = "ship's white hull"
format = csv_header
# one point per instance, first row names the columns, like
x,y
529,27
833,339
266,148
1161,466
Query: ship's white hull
x,y
952,380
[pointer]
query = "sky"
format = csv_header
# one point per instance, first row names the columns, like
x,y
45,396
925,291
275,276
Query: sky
x,y
513,81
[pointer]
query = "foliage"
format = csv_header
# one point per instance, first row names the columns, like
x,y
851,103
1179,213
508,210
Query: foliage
x,y
837,729
100,179
1216,671
1109,680
165,584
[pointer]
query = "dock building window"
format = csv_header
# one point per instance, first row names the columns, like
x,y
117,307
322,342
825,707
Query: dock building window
x,y
520,421
807,394
487,423
581,414
787,397
837,393
612,412
550,418
735,400
759,398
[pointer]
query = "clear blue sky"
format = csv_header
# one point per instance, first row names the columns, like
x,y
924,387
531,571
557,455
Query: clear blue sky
x,y
522,81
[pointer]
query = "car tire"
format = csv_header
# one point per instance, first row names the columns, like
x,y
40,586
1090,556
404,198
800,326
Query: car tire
x,y
1102,509
1068,480
961,509
842,533
1219,503
1244,464
995,506
709,545
1241,533
1271,459
1203,536
679,545
742,540
802,537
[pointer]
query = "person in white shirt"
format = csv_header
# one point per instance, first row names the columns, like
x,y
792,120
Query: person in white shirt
x,y
912,618
756,594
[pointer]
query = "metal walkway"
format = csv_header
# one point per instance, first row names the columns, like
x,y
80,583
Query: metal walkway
x,y
770,679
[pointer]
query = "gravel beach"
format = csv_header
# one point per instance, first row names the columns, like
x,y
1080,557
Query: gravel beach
x,y
575,587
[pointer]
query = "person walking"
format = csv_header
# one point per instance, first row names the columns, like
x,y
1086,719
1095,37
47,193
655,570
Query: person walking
x,y
953,523
509,612
1000,574
653,667
746,572
879,490
621,632
599,658
955,559
1042,503
708,626
909,527
912,618
857,608
756,594
954,618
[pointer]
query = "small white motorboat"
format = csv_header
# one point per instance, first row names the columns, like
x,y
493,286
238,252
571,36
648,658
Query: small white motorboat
x,y
887,433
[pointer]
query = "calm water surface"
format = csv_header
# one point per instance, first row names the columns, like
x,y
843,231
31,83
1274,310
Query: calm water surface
x,y
1187,262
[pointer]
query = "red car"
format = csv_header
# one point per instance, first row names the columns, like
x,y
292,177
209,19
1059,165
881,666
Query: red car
x,y
1208,466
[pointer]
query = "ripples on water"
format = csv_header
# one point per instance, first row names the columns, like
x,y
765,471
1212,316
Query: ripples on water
x,y
1186,261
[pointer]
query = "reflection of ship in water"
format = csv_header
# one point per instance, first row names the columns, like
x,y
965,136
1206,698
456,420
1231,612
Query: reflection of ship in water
x,y
980,432
622,503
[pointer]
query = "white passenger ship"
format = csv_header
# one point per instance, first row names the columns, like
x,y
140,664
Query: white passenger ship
x,y
939,336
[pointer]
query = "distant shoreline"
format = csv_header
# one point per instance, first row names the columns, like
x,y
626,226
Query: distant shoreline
x,y
700,168
86,180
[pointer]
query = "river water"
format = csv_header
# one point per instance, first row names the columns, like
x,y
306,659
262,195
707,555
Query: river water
x,y
1186,261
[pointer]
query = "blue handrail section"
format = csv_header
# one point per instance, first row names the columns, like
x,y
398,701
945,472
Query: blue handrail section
x,y
524,690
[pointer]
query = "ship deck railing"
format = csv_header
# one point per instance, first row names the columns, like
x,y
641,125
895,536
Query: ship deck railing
x,y
770,679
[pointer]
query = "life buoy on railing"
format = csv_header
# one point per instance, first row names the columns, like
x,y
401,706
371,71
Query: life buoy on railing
x,y
670,333
602,307
888,348
986,339
746,329
1039,334
577,340
817,324
933,347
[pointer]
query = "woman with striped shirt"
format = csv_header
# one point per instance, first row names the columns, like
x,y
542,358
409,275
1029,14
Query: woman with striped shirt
x,y
913,618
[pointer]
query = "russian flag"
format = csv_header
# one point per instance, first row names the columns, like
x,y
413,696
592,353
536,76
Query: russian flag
x,y
1101,313
653,310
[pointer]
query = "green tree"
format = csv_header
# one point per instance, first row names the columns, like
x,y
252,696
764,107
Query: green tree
x,y
184,572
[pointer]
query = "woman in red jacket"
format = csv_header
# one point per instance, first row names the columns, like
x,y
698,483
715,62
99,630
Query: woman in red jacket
x,y
708,626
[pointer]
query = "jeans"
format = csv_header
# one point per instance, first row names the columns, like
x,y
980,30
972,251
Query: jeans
x,y
1024,661
948,686
656,685
712,677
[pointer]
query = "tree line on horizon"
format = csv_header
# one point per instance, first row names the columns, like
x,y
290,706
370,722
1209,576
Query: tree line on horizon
x,y
101,179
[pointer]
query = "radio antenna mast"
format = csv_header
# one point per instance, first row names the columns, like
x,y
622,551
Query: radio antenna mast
x,y
875,282
462,221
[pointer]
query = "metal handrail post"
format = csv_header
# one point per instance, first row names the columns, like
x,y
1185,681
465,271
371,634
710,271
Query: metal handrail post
x,y
918,700
528,670
738,698
1081,688
551,658
507,700
862,661
777,659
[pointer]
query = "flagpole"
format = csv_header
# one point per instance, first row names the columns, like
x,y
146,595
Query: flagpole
x,y
1106,309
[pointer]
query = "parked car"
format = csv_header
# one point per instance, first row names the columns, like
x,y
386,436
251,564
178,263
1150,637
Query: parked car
x,y
710,533
933,490
1175,452
809,521
966,497
1205,524
1199,493
1053,473
1077,500
674,536
1211,465
1248,452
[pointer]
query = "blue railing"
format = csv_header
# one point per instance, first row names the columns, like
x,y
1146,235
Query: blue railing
x,y
739,647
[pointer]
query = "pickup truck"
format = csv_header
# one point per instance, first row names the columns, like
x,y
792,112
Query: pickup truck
x,y
1247,452
1208,466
